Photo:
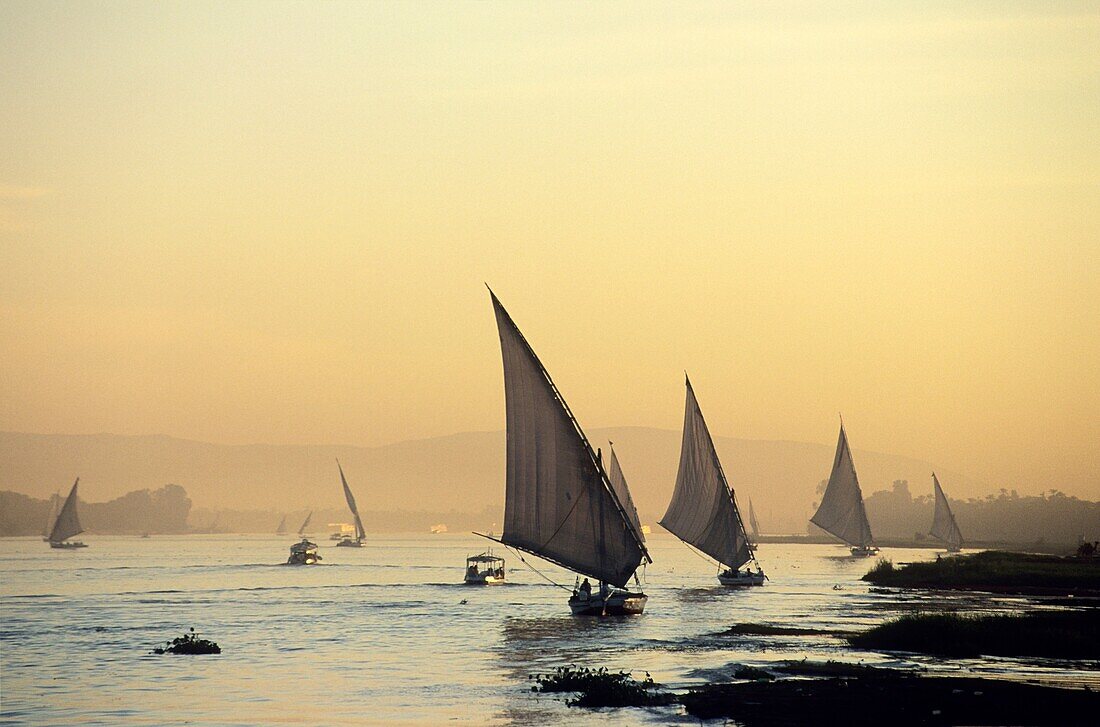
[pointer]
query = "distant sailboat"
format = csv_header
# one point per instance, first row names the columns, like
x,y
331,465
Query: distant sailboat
x,y
55,501
703,512
216,524
67,524
360,533
560,503
842,512
753,525
944,526
302,530
281,530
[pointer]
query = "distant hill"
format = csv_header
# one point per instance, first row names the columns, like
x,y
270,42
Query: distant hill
x,y
461,472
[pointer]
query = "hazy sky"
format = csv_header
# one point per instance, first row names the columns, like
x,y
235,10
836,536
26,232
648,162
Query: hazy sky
x,y
271,222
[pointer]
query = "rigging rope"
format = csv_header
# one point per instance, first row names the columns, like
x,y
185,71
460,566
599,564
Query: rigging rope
x,y
536,570
707,558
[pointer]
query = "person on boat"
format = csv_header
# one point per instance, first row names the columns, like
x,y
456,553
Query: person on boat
x,y
586,589
472,570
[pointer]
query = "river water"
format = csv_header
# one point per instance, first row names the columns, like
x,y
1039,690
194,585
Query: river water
x,y
388,633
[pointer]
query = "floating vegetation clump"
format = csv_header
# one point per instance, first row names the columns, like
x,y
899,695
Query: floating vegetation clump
x,y
189,643
767,630
807,668
602,688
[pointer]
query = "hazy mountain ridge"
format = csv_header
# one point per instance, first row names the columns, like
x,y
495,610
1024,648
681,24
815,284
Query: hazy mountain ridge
x,y
462,472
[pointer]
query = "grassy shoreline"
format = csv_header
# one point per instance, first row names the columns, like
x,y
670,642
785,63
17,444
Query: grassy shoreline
x,y
881,697
1050,634
856,695
996,571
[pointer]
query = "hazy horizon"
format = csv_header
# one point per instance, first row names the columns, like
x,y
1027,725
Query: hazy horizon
x,y
236,224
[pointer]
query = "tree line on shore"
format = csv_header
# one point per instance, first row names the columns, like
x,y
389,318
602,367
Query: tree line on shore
x,y
1002,517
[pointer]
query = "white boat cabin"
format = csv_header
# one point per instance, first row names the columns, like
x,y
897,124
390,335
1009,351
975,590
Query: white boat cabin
x,y
484,569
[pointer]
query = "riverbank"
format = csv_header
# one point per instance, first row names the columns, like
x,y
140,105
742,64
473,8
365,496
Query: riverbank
x,y
1065,548
872,697
995,571
801,692
1051,634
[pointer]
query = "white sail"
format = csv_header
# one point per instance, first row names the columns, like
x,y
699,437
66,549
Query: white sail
x,y
67,523
752,522
703,512
360,533
944,526
559,503
841,511
302,530
618,484
55,498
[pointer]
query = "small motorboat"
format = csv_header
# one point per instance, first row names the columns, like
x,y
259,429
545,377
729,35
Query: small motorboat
x,y
737,577
303,553
607,601
484,569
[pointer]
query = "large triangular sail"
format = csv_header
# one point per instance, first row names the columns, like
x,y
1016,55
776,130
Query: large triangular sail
x,y
67,523
703,512
360,533
618,484
841,511
55,498
559,503
302,530
944,526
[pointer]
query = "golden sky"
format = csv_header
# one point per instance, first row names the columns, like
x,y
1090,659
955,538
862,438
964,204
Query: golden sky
x,y
271,222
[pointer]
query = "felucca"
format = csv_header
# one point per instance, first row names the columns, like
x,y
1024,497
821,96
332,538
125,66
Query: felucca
x,y
281,530
703,512
944,526
841,511
560,503
753,525
360,533
67,524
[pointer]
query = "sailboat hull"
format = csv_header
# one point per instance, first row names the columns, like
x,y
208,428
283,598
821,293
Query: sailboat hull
x,y
741,580
68,545
864,551
618,603
483,579
349,544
